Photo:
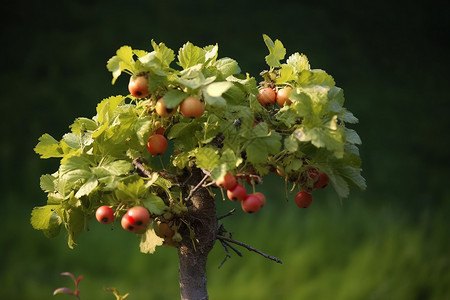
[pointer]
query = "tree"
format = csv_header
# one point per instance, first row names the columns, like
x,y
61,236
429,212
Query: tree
x,y
156,149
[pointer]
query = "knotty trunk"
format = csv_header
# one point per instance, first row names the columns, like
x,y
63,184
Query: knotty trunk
x,y
192,256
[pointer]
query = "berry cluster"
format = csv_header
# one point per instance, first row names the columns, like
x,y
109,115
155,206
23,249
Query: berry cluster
x,y
191,107
250,203
319,180
268,96
136,220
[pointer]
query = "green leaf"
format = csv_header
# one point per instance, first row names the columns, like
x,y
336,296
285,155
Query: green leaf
x,y
299,62
75,223
286,74
143,129
190,55
87,187
113,65
48,147
322,137
82,125
149,241
211,53
118,167
207,158
227,66
47,183
164,54
291,144
123,60
40,216
106,108
315,79
174,97
154,204
216,89
276,51
352,137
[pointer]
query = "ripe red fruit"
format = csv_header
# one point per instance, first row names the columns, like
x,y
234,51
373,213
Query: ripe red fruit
x,y
157,144
261,197
162,110
267,96
303,199
322,182
228,182
138,86
283,96
251,203
237,193
136,219
192,107
104,214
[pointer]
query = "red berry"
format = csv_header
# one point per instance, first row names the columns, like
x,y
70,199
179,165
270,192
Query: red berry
x,y
138,216
283,96
162,110
261,197
157,144
136,219
322,182
104,214
228,182
303,199
237,193
251,204
267,96
126,224
138,86
192,107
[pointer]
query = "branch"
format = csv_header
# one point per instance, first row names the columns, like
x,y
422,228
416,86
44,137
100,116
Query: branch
x,y
199,185
140,167
227,214
230,240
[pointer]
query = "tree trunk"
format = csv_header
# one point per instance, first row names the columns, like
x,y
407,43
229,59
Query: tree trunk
x,y
193,253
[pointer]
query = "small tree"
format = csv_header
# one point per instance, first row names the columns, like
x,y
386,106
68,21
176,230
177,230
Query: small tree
x,y
223,130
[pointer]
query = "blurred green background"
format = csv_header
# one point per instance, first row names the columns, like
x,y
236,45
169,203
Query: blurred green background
x,y
389,242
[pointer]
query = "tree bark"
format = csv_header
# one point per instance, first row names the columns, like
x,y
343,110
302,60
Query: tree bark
x,y
193,253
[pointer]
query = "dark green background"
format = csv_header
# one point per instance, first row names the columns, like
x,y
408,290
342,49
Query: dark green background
x,y
391,61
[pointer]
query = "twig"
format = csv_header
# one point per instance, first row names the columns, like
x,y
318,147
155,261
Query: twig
x,y
230,240
199,185
227,214
138,164
227,254
239,253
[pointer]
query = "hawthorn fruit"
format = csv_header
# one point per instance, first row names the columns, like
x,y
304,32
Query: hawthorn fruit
x,y
283,96
267,97
303,199
138,86
228,182
237,193
251,203
104,214
192,107
162,110
136,219
157,144
261,197
322,181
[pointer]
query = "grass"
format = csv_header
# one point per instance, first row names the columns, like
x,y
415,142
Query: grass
x,y
355,251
